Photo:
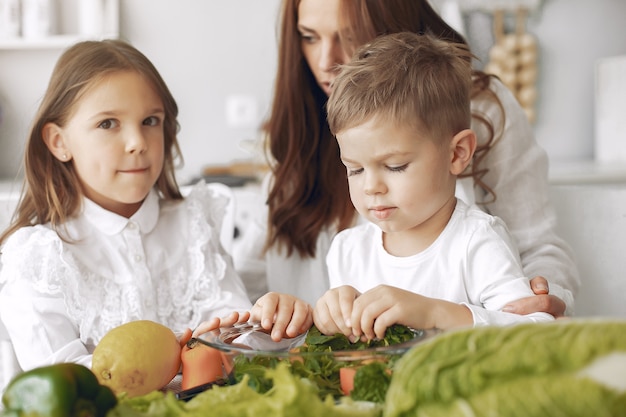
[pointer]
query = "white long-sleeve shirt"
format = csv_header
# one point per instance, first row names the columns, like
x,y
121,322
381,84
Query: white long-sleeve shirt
x,y
165,264
473,262
517,173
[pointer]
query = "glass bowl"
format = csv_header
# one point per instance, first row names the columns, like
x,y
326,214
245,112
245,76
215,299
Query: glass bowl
x,y
330,363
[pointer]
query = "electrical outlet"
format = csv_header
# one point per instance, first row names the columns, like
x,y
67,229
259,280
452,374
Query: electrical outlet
x,y
241,111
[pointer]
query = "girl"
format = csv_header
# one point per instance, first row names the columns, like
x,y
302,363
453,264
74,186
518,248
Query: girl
x,y
102,234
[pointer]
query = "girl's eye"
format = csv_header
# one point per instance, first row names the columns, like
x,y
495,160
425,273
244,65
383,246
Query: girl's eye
x,y
401,168
152,121
107,124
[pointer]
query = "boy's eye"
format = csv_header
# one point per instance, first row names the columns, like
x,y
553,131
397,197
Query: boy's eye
x,y
152,121
355,171
400,168
107,124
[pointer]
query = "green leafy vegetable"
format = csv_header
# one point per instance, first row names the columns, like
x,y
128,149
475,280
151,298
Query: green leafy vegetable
x,y
323,370
371,382
290,396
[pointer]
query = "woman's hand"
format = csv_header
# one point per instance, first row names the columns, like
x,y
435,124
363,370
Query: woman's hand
x,y
541,302
283,314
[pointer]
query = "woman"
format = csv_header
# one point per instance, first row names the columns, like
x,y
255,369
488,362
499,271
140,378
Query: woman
x,y
307,195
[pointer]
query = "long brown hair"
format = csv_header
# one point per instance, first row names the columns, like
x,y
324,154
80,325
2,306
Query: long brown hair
x,y
52,192
310,191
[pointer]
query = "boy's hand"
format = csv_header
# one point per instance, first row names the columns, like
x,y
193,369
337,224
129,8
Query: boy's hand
x,y
333,311
283,314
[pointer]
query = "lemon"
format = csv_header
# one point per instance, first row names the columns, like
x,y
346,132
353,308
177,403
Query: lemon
x,y
137,357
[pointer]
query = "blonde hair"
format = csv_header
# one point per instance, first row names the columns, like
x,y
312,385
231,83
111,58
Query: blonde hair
x,y
406,78
52,191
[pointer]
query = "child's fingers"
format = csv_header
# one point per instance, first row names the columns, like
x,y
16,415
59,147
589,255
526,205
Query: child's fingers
x,y
301,319
265,308
346,296
185,337
207,326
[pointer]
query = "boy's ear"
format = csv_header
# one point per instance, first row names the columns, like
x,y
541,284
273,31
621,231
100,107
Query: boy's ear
x,y
462,149
55,141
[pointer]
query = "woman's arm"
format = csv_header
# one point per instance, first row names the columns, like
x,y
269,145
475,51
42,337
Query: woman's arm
x,y
518,174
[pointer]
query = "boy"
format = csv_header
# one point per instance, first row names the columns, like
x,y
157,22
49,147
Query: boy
x,y
401,114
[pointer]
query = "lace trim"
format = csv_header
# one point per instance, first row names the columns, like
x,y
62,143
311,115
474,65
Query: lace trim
x,y
97,303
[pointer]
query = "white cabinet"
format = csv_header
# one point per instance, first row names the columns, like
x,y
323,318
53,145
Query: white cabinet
x,y
70,21
592,219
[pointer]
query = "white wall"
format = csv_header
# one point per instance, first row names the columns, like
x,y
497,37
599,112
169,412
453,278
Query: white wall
x,y
573,34
208,50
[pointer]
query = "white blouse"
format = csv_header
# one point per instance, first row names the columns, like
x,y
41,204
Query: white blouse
x,y
165,264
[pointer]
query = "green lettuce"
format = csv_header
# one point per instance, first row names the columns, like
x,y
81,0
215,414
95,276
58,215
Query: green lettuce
x,y
289,396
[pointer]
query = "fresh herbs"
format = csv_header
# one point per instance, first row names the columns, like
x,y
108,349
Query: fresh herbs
x,y
371,380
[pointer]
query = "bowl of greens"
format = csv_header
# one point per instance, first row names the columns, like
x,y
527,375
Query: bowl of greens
x,y
336,366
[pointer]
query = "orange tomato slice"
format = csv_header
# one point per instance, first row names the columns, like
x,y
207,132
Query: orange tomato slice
x,y
346,380
200,364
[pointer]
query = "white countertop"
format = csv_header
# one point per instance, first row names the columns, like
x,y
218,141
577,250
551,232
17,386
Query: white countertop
x,y
587,172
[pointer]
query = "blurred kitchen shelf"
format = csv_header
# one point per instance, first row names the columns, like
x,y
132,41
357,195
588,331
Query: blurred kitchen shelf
x,y
587,172
48,42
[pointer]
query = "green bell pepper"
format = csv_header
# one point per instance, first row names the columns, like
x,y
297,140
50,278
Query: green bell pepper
x,y
61,390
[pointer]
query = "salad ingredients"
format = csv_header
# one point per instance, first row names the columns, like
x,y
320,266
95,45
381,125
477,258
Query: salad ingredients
x,y
201,364
61,390
290,396
137,357
523,370
322,370
346,379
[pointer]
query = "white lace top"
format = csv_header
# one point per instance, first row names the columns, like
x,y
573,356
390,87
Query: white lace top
x,y
165,264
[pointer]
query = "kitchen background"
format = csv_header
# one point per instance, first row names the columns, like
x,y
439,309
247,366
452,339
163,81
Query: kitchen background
x,y
218,57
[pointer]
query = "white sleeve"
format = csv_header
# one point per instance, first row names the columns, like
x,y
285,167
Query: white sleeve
x,y
495,276
518,174
35,315
483,317
39,328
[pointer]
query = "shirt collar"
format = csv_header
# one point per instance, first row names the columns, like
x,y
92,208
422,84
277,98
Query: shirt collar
x,y
110,223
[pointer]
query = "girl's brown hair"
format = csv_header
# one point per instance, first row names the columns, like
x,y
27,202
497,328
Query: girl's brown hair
x,y
52,192
310,191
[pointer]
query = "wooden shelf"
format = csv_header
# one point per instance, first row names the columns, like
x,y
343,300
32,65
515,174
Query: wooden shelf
x,y
49,42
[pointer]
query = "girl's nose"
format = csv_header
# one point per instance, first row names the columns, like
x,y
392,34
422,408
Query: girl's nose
x,y
135,141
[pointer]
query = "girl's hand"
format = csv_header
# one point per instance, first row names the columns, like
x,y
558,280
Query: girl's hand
x,y
333,311
541,302
216,322
283,314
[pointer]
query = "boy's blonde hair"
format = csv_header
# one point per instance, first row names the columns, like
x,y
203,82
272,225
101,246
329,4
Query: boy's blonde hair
x,y
52,190
405,78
